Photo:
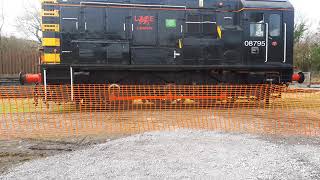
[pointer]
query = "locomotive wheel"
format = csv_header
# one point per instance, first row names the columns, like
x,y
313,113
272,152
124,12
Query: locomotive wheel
x,y
267,96
89,105
96,100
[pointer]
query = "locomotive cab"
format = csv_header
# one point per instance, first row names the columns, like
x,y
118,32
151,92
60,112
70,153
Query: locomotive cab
x,y
268,31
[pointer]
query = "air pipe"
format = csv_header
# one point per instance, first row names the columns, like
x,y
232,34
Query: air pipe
x,y
298,77
30,78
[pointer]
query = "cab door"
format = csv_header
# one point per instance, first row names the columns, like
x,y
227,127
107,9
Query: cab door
x,y
276,37
265,37
255,39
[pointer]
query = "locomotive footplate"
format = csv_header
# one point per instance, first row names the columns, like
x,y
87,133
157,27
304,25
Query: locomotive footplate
x,y
165,74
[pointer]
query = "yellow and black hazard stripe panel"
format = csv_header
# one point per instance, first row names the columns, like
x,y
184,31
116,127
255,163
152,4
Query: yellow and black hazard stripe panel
x,y
50,27
51,55
51,42
51,50
49,1
50,8
219,31
49,34
50,31
50,20
180,44
51,58
50,13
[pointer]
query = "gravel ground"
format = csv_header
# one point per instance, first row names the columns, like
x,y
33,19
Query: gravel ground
x,y
181,154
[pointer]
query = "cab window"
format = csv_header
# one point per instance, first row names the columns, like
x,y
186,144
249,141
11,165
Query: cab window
x,y
257,26
275,25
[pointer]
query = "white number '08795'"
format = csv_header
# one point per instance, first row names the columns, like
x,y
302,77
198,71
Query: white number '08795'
x,y
254,43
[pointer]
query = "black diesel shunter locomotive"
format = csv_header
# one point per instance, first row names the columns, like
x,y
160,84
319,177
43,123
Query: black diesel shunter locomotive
x,y
167,41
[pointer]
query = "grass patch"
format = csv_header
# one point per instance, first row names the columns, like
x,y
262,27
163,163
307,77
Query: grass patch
x,y
27,105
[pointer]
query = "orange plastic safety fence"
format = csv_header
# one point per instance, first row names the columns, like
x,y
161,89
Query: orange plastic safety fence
x,y
62,110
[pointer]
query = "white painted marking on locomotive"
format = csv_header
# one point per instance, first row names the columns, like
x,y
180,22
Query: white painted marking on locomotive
x,y
181,28
175,54
285,43
70,18
229,18
45,83
71,82
201,3
204,22
77,25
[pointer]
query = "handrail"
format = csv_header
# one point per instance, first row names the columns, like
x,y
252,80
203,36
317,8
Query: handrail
x,y
267,41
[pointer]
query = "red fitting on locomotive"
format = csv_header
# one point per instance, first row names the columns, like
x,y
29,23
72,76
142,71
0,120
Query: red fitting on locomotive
x,y
30,78
299,77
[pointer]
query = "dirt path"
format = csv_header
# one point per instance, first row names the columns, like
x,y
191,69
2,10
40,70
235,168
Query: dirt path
x,y
15,152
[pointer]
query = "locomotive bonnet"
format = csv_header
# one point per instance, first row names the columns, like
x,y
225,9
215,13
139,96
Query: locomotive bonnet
x,y
166,41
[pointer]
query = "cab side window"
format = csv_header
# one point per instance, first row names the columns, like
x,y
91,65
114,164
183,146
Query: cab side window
x,y
257,26
275,25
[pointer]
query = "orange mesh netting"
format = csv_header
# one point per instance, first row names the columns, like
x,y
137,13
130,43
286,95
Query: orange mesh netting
x,y
31,111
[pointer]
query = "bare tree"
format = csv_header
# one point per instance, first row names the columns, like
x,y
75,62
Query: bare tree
x,y
306,46
1,19
29,23
1,28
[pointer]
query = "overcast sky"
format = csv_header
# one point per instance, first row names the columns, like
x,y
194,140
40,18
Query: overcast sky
x,y
13,8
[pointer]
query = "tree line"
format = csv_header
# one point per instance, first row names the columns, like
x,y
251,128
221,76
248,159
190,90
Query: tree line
x,y
306,47
20,54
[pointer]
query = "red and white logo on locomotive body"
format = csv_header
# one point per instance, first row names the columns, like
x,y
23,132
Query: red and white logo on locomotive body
x,y
145,23
144,20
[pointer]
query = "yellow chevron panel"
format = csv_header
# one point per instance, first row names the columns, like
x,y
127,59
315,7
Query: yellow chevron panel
x,y
50,27
219,32
54,13
51,58
180,44
50,42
